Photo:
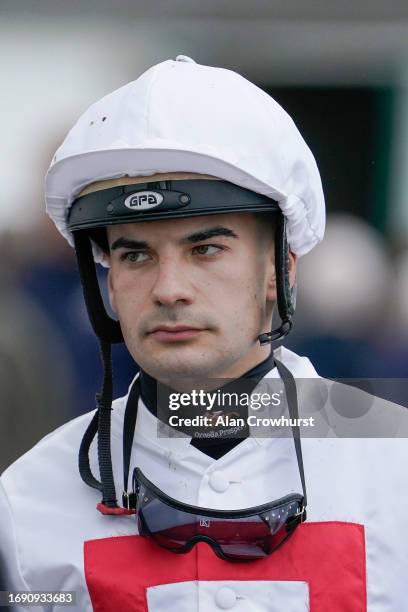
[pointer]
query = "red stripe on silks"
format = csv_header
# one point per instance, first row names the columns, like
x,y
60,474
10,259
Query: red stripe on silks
x,y
103,509
330,557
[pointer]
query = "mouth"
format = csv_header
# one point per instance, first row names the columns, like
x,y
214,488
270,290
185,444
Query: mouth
x,y
175,333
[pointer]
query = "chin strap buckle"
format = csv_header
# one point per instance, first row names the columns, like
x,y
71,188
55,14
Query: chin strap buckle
x,y
276,334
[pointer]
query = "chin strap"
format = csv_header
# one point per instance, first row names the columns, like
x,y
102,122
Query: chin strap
x,y
285,294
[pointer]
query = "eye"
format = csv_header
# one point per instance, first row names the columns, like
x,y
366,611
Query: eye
x,y
207,249
134,256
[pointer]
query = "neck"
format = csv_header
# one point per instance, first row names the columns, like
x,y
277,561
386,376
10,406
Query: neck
x,y
149,384
241,368
246,363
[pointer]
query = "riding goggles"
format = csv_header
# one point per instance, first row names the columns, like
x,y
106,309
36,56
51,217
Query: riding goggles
x,y
240,535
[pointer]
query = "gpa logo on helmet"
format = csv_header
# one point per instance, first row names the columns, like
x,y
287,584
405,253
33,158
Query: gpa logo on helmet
x,y
143,200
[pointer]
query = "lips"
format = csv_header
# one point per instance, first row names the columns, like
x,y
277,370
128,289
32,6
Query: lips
x,y
175,328
175,333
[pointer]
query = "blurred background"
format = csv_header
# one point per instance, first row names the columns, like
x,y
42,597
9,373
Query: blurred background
x,y
340,70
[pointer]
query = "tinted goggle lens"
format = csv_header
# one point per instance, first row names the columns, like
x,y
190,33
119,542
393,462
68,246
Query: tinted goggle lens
x,y
250,537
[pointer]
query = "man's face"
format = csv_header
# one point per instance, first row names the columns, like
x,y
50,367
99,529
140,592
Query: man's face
x,y
193,294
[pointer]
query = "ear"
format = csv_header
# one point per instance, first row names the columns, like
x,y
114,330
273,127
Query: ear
x,y
292,268
111,292
271,280
271,277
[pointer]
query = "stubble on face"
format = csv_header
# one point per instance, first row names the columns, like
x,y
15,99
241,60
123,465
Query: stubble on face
x,y
223,297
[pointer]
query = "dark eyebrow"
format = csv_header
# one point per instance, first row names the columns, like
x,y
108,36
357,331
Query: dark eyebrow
x,y
209,233
126,243
129,244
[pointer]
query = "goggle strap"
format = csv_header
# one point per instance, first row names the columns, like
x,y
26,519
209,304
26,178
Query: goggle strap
x,y
292,399
101,424
104,402
129,425
83,457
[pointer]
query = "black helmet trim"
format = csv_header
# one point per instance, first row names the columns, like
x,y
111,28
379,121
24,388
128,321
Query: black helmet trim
x,y
164,200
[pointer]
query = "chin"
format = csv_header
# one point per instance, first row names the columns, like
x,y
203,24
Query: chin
x,y
180,369
178,363
198,360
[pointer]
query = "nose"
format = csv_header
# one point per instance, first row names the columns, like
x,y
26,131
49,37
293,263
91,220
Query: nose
x,y
172,285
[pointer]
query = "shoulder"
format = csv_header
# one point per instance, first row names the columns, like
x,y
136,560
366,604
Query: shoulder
x,y
299,365
44,500
52,450
362,409
358,410
53,461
